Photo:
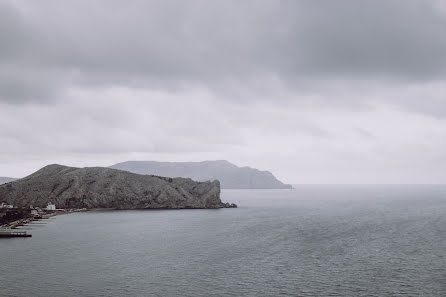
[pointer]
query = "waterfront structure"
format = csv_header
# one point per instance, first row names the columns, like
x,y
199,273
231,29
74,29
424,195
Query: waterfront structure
x,y
13,233
51,207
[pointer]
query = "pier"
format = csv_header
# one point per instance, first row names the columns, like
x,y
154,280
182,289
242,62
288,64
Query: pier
x,y
13,233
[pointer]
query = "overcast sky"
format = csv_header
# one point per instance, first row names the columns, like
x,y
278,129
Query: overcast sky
x,y
314,91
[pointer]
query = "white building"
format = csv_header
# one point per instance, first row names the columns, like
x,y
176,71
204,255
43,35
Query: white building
x,y
50,206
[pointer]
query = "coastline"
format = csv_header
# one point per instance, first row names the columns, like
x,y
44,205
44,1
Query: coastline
x,y
24,221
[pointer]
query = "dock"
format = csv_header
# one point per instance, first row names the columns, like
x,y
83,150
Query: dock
x,y
13,233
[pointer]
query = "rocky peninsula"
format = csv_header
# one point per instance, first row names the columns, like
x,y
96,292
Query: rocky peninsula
x,y
230,175
99,187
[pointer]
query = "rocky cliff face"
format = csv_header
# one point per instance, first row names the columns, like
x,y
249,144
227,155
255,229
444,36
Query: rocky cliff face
x,y
229,175
99,187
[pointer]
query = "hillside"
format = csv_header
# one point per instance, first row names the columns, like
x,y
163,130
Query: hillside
x,y
229,175
99,187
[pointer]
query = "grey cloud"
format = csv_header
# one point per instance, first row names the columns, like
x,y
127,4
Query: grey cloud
x,y
303,39
318,91
13,33
390,39
312,144
160,44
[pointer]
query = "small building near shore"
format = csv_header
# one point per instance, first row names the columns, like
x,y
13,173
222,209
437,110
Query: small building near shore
x,y
51,207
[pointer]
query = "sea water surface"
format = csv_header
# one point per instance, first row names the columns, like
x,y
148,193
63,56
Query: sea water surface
x,y
309,241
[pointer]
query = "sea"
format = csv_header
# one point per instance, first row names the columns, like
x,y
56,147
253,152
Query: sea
x,y
314,240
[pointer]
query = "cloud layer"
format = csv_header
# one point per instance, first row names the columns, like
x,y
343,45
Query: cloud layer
x,y
340,91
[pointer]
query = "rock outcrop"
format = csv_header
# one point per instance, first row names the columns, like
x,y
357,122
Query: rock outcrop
x,y
99,187
229,175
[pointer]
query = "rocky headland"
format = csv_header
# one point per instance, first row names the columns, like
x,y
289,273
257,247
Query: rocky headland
x,y
230,175
99,187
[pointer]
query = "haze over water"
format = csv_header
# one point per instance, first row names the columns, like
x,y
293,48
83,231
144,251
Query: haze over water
x,y
310,241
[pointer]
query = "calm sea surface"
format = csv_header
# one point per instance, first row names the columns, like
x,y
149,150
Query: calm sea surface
x,y
310,241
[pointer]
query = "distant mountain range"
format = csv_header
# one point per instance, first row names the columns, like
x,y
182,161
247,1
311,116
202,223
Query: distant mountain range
x,y
230,176
4,180
99,187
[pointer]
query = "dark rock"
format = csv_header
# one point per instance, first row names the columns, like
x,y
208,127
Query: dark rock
x,y
230,205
